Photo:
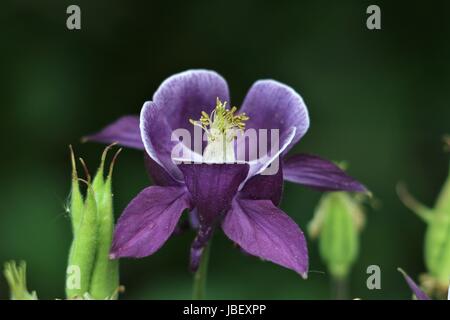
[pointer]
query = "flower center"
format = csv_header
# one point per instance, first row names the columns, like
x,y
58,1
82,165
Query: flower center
x,y
221,127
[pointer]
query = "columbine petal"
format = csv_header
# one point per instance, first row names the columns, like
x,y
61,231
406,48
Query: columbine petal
x,y
264,187
156,135
212,187
414,287
179,98
148,221
124,131
263,230
273,105
185,95
267,160
319,174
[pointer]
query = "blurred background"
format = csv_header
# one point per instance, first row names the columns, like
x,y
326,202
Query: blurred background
x,y
377,99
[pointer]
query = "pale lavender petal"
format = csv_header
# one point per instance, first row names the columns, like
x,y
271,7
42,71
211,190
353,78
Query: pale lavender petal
x,y
414,287
263,230
319,174
185,95
148,221
157,138
267,159
179,98
264,187
124,131
273,105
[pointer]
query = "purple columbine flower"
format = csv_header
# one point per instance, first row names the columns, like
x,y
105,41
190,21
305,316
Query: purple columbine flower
x,y
235,196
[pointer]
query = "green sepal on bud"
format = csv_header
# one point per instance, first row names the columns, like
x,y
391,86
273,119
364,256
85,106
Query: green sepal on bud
x,y
16,276
76,199
84,245
105,276
336,224
437,237
90,273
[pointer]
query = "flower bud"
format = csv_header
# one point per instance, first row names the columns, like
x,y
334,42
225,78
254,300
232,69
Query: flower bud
x,y
105,276
337,222
437,238
90,273
83,249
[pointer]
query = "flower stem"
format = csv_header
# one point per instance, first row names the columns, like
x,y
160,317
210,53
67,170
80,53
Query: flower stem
x,y
198,292
339,288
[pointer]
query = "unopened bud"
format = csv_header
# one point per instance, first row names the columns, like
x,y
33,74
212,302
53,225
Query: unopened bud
x,y
90,272
437,238
337,222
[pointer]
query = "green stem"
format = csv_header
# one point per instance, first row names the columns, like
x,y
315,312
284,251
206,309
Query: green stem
x,y
339,288
198,292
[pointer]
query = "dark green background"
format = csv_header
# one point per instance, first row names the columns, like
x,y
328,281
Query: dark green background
x,y
377,99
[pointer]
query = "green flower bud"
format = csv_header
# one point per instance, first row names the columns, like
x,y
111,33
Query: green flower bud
x,y
16,276
90,273
83,249
105,276
337,222
437,238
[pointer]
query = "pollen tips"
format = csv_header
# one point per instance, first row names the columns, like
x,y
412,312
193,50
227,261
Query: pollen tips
x,y
221,121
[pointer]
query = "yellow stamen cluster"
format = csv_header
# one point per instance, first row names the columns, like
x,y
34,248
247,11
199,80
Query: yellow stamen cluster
x,y
221,120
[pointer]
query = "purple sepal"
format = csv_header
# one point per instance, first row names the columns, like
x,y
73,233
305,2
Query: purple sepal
x,y
320,174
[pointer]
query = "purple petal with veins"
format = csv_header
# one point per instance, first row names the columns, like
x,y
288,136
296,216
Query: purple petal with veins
x,y
212,188
124,131
263,230
148,221
317,173
274,105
